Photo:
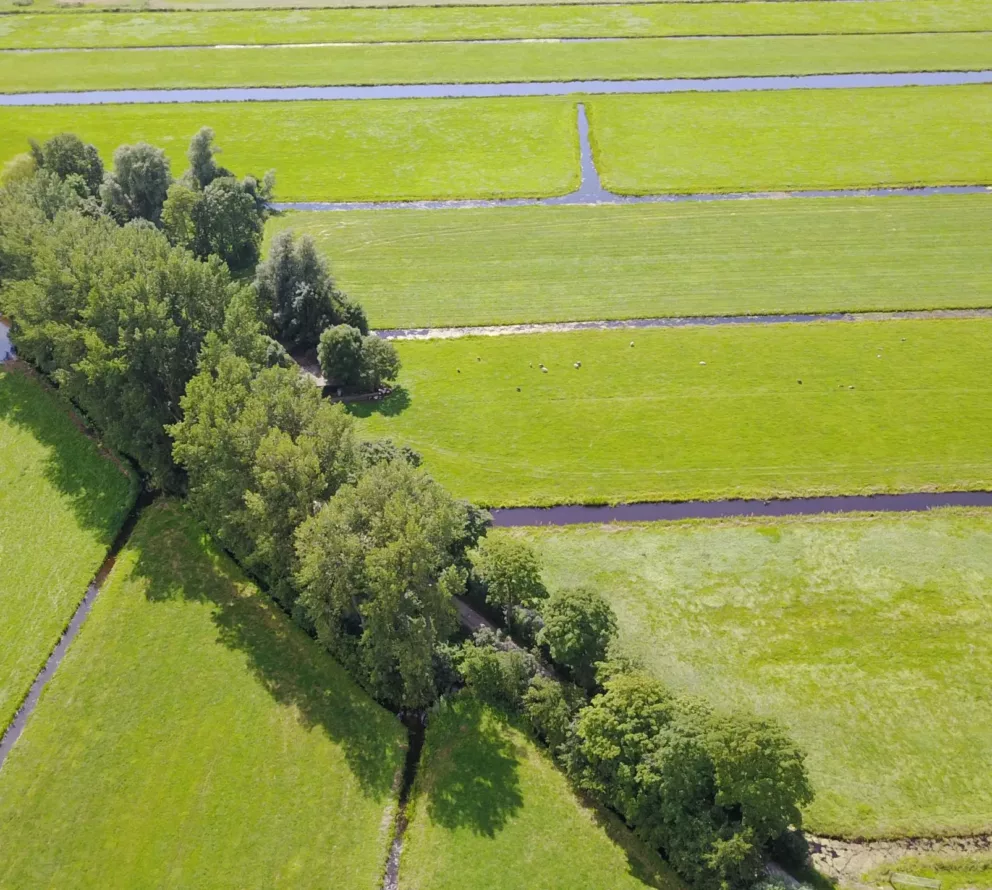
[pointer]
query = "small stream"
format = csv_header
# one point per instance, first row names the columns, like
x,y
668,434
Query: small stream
x,y
416,725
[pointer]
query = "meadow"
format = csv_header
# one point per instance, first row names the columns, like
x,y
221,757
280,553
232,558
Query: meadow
x,y
754,411
479,62
973,872
868,636
382,149
491,810
61,503
268,26
711,142
194,736
511,265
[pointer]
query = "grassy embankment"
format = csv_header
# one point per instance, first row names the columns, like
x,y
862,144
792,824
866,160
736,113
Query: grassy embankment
x,y
869,637
61,503
194,737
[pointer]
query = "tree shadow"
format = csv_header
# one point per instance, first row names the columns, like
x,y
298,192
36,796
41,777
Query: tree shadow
x,y
472,775
395,403
71,467
178,560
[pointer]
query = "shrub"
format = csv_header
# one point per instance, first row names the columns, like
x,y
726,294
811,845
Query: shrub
x,y
551,706
579,626
340,355
510,572
496,676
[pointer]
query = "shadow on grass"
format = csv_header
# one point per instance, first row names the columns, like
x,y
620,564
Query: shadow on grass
x,y
177,560
473,766
395,403
75,465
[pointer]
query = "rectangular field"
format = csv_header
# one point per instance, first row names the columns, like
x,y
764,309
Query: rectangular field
x,y
61,502
512,265
713,142
747,411
490,811
372,149
869,637
193,737
270,26
480,62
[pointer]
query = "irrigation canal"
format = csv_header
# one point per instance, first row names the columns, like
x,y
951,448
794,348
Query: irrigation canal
x,y
502,90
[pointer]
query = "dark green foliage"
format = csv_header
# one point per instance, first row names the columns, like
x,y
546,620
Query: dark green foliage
x,y
497,676
138,185
510,572
378,451
66,155
380,364
376,578
551,707
340,355
579,626
116,317
203,167
229,224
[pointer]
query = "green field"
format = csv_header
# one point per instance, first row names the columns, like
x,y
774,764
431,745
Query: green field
x,y
961,872
510,265
477,62
429,148
698,412
870,637
695,142
490,22
193,737
61,503
490,810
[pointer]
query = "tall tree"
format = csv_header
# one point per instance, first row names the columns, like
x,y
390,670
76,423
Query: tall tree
x,y
66,155
138,185
510,572
579,626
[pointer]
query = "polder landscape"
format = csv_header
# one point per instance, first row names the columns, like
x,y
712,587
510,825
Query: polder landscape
x,y
484,444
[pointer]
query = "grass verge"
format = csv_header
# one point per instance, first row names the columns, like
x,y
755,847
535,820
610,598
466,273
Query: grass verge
x,y
756,411
960,872
869,637
61,503
194,737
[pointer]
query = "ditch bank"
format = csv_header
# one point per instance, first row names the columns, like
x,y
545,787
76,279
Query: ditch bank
x,y
416,726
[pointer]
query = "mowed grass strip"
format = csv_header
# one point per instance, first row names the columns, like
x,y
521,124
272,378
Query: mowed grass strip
x,y
61,503
869,637
194,737
756,411
491,811
349,151
267,26
540,264
475,62
751,141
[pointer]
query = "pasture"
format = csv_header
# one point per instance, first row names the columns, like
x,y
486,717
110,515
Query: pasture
x,y
490,811
194,737
868,636
753,411
61,502
973,871
511,265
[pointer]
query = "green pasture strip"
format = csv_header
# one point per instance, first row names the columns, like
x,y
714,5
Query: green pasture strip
x,y
954,871
490,62
796,139
869,637
348,151
194,737
490,22
511,265
755,411
492,812
61,503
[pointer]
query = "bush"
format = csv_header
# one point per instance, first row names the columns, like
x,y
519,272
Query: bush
x,y
551,706
379,363
510,572
579,626
497,677
351,361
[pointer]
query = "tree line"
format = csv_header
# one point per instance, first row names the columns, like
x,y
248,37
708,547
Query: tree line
x,y
143,299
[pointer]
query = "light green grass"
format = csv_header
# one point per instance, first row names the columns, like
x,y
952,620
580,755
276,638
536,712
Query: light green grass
x,y
490,811
536,264
869,637
959,872
695,142
380,149
466,23
61,503
490,62
699,412
193,737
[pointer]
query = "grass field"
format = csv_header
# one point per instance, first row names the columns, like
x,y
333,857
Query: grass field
x,y
490,22
798,139
193,737
530,264
490,810
870,637
407,149
973,872
61,503
698,412
473,62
